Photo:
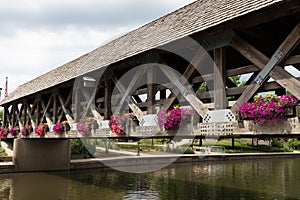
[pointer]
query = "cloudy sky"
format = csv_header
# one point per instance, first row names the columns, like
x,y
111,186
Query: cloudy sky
x,y
37,36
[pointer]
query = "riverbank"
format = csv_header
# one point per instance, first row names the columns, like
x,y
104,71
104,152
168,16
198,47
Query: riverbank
x,y
159,160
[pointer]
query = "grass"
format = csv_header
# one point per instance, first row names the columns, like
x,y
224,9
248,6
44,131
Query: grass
x,y
240,146
243,146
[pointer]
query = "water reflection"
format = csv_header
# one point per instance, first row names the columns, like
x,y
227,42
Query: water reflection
x,y
252,179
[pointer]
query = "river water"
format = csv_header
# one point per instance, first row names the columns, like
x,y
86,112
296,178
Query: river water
x,y
248,179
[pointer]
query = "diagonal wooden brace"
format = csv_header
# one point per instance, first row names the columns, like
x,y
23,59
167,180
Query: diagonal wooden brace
x,y
135,109
199,107
90,105
282,77
198,58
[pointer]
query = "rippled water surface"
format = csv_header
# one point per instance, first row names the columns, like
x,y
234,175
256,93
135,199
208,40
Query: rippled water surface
x,y
250,179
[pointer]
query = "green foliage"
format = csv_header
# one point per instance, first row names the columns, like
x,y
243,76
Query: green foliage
x,y
3,152
86,148
202,88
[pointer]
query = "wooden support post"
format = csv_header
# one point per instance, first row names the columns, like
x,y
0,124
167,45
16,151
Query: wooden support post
x,y
5,118
54,112
38,114
25,114
150,90
77,106
107,99
219,79
232,143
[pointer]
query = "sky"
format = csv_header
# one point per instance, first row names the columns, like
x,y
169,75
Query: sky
x,y
37,36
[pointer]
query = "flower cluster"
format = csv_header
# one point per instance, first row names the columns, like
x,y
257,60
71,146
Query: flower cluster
x,y
118,122
268,109
4,132
42,129
175,117
82,128
60,127
26,130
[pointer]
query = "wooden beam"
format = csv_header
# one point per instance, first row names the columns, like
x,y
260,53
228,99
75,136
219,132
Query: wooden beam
x,y
196,61
45,112
65,111
90,105
186,93
54,111
38,115
135,109
280,75
77,105
107,101
29,112
219,79
292,60
150,90
25,114
128,91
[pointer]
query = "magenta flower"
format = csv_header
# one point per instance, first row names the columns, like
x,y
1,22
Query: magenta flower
x,y
266,110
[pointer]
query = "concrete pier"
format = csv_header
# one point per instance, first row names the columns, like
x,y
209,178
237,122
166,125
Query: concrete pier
x,y
42,154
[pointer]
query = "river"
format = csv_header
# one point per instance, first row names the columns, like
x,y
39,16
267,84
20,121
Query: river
x,y
247,179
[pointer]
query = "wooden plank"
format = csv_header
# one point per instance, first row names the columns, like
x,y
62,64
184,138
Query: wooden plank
x,y
186,93
219,79
278,74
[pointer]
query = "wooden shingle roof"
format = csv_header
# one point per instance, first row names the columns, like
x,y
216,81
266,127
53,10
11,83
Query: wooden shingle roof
x,y
193,18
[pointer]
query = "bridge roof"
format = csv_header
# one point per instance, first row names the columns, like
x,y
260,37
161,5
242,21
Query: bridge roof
x,y
195,17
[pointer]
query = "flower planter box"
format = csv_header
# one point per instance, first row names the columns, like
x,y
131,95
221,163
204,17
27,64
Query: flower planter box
x,y
103,132
290,111
279,127
146,131
216,128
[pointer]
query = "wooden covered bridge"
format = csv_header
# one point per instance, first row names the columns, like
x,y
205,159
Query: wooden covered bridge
x,y
187,57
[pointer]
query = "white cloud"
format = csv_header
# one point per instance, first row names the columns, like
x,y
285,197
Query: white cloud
x,y
37,36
